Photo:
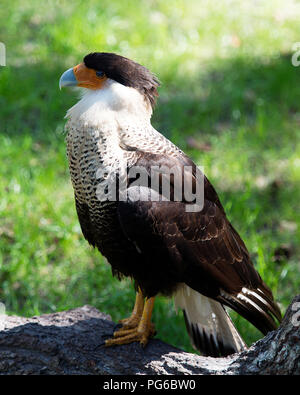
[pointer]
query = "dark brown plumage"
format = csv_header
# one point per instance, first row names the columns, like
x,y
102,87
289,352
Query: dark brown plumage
x,y
158,243
203,249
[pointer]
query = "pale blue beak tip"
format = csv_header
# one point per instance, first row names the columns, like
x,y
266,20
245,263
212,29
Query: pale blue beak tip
x,y
68,79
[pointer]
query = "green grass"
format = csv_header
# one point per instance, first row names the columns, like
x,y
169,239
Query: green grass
x,y
227,81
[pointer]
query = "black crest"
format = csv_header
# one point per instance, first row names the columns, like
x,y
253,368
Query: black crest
x,y
125,71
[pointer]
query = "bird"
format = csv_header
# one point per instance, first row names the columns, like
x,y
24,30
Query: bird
x,y
167,245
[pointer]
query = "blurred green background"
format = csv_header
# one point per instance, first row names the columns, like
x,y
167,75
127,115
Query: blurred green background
x,y
229,98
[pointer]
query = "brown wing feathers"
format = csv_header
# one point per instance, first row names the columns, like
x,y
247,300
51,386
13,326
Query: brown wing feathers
x,y
227,262
213,257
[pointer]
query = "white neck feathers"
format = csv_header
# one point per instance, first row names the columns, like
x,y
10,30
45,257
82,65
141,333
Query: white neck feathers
x,y
114,103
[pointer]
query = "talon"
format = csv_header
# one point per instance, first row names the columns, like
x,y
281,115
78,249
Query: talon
x,y
117,326
141,335
106,336
141,331
99,345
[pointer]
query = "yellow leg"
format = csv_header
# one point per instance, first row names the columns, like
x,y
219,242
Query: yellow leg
x,y
136,314
141,333
146,328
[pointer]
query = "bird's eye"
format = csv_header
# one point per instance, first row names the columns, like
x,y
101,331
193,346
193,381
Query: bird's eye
x,y
99,73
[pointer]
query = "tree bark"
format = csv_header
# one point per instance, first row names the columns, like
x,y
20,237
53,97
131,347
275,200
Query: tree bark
x,y
69,342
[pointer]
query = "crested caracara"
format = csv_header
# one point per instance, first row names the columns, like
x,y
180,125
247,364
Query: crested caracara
x,y
163,243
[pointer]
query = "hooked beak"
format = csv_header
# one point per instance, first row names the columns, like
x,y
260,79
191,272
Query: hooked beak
x,y
68,79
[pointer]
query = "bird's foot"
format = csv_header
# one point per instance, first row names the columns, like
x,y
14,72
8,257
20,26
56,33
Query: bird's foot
x,y
136,315
140,333
130,322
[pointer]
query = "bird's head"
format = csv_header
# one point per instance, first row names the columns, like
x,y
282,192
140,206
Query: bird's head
x,y
98,68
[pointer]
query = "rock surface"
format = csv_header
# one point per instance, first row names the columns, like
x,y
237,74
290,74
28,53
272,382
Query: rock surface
x,y
69,342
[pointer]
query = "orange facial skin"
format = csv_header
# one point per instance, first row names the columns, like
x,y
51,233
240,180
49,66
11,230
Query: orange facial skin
x,y
87,78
